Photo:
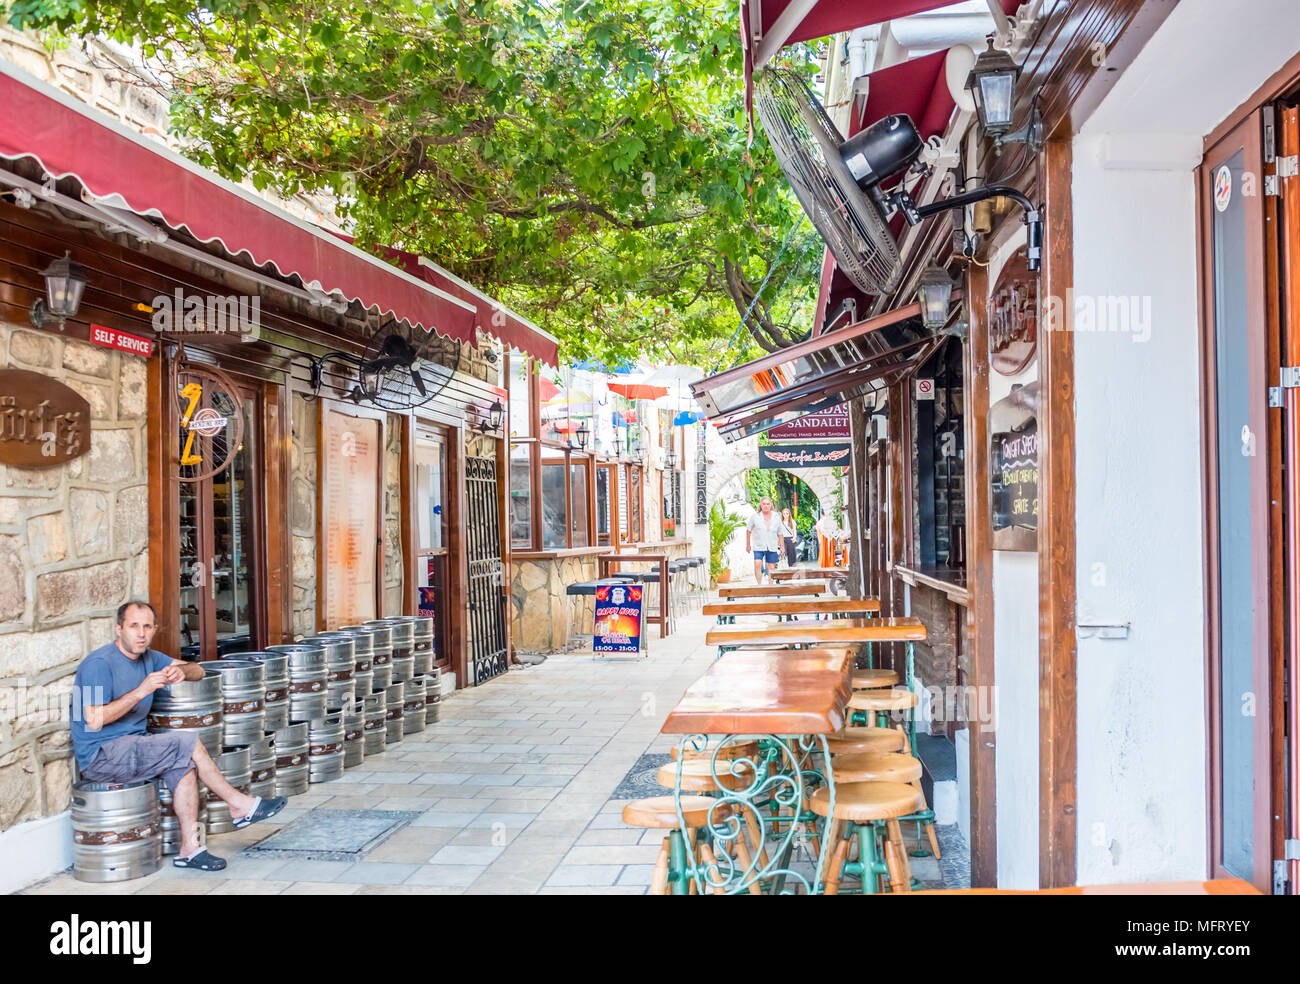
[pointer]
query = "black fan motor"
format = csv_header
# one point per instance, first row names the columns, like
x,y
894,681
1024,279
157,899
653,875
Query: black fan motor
x,y
882,149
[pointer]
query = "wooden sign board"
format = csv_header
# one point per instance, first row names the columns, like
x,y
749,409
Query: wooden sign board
x,y
42,422
1013,316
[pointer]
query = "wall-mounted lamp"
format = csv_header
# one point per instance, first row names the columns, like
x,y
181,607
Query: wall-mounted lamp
x,y
492,422
992,84
934,291
670,459
582,434
65,281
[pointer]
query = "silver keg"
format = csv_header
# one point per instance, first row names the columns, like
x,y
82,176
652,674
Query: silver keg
x,y
402,633
340,665
116,831
363,676
171,826
243,699
413,710
354,724
275,669
325,748
291,760
394,704
237,766
261,759
433,695
306,680
374,711
190,705
422,646
381,652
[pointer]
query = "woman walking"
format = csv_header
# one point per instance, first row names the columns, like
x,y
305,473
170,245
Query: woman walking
x,y
788,535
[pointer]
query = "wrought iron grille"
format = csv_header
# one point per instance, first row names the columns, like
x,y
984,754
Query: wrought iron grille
x,y
487,628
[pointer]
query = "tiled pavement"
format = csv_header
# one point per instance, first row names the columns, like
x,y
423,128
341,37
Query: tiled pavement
x,y
512,788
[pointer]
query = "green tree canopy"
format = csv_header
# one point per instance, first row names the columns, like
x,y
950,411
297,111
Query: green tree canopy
x,y
586,161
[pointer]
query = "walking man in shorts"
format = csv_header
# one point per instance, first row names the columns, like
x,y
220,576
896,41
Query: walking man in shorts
x,y
763,539
116,684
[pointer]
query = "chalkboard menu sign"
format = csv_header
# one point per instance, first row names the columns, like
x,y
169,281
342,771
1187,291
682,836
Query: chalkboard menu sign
x,y
1013,470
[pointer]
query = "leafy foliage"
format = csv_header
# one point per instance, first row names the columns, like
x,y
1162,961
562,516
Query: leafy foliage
x,y
722,526
586,162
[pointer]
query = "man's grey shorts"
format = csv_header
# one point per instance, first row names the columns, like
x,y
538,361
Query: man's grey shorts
x,y
133,758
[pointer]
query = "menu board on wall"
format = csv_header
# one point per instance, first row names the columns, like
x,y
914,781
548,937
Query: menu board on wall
x,y
1013,471
350,510
622,503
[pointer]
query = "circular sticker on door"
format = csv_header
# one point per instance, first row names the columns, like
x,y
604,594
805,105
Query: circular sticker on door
x,y
1222,187
208,422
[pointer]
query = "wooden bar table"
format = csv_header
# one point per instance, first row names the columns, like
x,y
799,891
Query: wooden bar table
x,y
605,560
787,702
809,573
834,607
773,590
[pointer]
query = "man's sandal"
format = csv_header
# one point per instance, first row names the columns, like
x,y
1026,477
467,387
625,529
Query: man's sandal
x,y
201,860
264,810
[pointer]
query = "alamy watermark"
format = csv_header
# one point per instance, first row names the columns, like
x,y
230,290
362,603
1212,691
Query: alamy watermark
x,y
237,314
1128,314
34,704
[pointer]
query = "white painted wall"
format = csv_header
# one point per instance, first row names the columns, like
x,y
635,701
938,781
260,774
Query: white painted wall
x,y
1015,668
1142,741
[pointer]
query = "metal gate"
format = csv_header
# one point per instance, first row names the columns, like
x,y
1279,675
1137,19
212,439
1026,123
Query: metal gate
x,y
487,626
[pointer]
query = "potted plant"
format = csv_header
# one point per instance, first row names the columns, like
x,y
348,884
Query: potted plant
x,y
722,525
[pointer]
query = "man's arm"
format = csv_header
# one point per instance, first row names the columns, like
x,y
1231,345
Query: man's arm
x,y
98,715
189,671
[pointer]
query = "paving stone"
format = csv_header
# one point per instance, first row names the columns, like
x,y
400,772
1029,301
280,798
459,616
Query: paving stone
x,y
585,875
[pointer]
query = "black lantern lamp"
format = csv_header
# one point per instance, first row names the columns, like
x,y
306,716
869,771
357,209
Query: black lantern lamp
x,y
670,460
934,291
583,433
65,281
492,422
992,83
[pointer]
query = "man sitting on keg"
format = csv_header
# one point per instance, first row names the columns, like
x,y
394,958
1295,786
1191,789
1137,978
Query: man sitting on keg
x,y
116,684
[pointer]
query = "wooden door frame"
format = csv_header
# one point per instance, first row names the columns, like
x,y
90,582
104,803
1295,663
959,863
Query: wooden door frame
x,y
1245,135
449,436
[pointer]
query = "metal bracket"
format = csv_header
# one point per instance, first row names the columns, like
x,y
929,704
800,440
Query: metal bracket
x,y
1279,877
1113,630
1288,167
1289,377
1291,850
1270,186
1275,399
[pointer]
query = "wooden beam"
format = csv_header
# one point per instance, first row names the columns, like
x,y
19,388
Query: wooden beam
x,y
858,499
1057,599
979,581
164,504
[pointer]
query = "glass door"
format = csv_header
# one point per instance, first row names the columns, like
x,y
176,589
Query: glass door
x,y
1237,493
432,557
220,532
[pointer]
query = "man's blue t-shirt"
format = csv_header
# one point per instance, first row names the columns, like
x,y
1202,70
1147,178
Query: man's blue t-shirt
x,y
104,676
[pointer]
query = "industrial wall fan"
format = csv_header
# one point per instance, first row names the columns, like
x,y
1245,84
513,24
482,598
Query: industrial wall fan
x,y
391,373
840,182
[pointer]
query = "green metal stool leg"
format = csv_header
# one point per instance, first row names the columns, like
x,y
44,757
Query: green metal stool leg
x,y
678,876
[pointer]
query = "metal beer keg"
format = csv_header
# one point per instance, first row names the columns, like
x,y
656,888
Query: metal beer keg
x,y
291,760
190,705
306,680
116,831
275,671
236,765
243,699
325,748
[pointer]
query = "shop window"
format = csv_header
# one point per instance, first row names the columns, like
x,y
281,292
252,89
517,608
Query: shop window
x,y
431,552
554,499
521,496
352,459
578,502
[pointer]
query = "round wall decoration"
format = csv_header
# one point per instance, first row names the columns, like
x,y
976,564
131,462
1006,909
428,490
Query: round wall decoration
x,y
1013,316
210,425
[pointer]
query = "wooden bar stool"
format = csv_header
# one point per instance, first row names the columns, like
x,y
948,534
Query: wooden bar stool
x,y
858,739
871,679
871,810
678,858
875,706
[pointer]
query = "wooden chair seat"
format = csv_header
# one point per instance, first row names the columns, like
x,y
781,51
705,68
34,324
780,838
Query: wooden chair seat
x,y
868,679
876,767
734,750
862,801
895,699
698,776
658,812
856,739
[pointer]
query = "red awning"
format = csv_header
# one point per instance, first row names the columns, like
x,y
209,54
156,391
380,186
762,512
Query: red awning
x,y
918,88
68,138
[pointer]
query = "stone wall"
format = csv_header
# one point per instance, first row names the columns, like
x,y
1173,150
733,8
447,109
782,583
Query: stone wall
x,y
73,546
302,515
539,605
393,557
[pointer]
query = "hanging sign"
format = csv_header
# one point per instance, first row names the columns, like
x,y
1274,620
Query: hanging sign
x,y
618,618
830,424
120,340
803,456
701,479
1013,470
1013,316
42,421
